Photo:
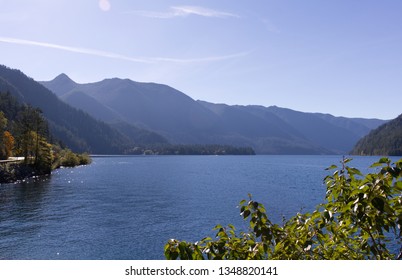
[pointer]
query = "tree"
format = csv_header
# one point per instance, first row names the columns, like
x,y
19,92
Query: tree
x,y
384,140
31,128
44,156
8,143
361,219
3,124
3,121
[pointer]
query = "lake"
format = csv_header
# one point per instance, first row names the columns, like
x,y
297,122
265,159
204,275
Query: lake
x,y
129,207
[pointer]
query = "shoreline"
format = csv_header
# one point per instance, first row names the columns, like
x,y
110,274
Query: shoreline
x,y
13,172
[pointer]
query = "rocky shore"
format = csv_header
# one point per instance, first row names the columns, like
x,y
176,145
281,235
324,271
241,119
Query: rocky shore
x,y
13,172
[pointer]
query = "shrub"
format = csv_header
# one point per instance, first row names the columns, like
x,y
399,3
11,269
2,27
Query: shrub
x,y
84,159
70,159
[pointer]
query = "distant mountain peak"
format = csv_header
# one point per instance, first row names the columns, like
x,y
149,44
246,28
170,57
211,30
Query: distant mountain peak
x,y
60,85
63,78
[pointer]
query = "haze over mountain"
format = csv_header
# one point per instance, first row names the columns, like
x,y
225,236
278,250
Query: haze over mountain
x,y
78,130
183,120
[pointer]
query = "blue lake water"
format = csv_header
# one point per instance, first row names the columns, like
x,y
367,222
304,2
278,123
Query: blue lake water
x,y
129,207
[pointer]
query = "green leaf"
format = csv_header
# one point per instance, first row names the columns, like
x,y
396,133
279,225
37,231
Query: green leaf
x,y
378,203
331,167
250,242
394,171
217,227
245,213
384,160
354,171
398,186
327,216
346,160
376,164
206,239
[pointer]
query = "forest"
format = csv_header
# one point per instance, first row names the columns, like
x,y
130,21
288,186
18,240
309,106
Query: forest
x,y
25,138
385,140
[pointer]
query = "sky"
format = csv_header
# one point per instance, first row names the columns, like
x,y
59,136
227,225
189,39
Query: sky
x,y
339,57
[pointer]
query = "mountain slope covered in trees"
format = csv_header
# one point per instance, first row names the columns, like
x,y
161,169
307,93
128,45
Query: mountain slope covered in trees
x,y
27,148
385,140
77,129
151,106
182,120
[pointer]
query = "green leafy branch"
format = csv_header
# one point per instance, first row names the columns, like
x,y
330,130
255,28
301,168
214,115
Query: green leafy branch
x,y
361,219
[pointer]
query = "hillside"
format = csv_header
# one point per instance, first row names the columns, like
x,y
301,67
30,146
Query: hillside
x,y
27,148
385,140
155,107
334,136
77,129
182,120
264,131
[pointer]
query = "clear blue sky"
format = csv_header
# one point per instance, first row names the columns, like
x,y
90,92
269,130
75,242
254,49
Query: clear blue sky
x,y
340,57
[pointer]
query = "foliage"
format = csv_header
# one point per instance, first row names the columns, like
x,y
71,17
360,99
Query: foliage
x,y
44,156
30,131
84,159
361,219
3,124
7,145
28,136
66,158
9,105
3,121
70,159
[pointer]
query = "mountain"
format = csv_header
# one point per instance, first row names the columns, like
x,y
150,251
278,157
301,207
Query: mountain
x,y
182,120
330,133
264,131
385,140
90,105
151,106
77,129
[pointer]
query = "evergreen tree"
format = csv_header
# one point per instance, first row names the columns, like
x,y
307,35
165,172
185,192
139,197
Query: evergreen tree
x,y
3,124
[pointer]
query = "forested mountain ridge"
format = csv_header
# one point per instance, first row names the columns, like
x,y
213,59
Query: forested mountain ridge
x,y
151,106
78,130
27,148
385,140
182,120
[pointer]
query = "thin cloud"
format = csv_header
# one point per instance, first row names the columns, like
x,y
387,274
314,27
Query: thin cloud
x,y
119,56
183,11
71,49
200,11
